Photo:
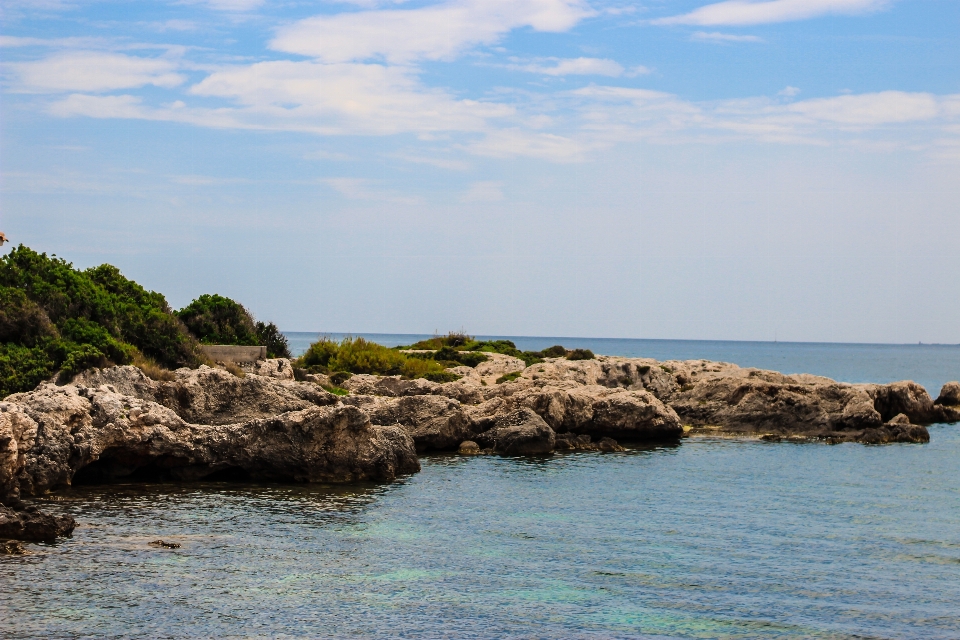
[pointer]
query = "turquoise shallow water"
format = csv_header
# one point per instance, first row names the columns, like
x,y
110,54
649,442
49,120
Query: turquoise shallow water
x,y
708,539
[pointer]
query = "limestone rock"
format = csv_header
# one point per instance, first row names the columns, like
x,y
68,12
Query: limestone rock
x,y
390,386
436,423
949,395
583,442
212,396
29,523
468,448
521,432
102,434
279,368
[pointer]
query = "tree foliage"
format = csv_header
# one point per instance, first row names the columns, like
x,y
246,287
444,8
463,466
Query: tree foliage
x,y
54,317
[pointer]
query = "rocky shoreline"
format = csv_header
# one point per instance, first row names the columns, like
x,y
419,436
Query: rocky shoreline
x,y
116,423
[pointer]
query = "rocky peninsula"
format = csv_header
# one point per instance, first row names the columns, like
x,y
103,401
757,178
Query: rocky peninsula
x,y
265,424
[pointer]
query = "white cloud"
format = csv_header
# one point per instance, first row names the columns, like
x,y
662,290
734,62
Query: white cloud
x,y
789,92
483,191
91,71
436,32
746,12
508,143
571,66
344,98
716,36
870,109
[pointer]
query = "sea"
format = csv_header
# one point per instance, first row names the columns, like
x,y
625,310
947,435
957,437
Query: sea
x,y
708,538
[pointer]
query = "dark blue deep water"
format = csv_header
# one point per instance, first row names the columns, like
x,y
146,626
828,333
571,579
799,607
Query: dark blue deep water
x,y
712,538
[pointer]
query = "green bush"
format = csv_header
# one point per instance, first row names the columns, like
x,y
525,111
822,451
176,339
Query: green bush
x,y
339,377
215,319
509,377
580,354
357,355
556,351
275,342
57,318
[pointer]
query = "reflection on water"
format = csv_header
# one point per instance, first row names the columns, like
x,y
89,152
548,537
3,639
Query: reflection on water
x,y
711,539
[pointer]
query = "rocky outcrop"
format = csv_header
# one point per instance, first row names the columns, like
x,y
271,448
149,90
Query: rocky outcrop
x,y
31,524
436,423
521,432
116,423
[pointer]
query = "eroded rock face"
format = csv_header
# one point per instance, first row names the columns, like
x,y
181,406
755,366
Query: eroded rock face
x,y
520,432
436,423
114,424
213,396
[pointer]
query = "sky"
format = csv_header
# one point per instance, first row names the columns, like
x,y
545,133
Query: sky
x,y
743,170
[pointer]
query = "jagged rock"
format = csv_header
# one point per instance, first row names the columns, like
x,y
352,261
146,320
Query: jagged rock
x,y
390,386
521,432
949,395
593,410
436,423
31,524
212,396
906,397
898,429
279,368
101,434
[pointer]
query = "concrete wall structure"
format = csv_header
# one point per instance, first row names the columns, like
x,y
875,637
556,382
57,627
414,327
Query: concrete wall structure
x,y
234,353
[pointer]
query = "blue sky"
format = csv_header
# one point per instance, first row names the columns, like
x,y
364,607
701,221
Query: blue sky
x,y
664,169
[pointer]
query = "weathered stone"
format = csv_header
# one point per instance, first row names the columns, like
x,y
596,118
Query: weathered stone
x,y
583,442
949,395
29,523
436,423
521,432
468,447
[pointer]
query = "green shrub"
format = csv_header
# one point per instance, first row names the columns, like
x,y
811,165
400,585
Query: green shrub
x,y
337,391
357,355
215,319
454,339
556,351
441,376
509,377
54,317
275,342
580,354
339,377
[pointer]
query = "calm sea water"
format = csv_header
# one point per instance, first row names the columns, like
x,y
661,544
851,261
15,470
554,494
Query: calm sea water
x,y
708,539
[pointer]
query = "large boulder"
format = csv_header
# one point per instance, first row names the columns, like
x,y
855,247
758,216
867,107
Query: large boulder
x,y
520,432
593,410
906,397
31,524
947,404
436,423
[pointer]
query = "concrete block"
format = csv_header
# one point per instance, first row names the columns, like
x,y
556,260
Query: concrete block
x,y
234,353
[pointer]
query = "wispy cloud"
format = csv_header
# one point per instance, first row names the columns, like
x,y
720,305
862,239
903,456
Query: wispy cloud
x,y
716,36
436,32
747,12
93,71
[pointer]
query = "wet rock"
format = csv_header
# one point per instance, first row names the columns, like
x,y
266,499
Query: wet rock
x,y
436,423
583,442
12,548
468,448
31,524
521,432
164,545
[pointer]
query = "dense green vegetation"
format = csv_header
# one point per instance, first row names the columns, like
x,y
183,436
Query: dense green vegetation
x,y
356,355
459,343
57,318
215,319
